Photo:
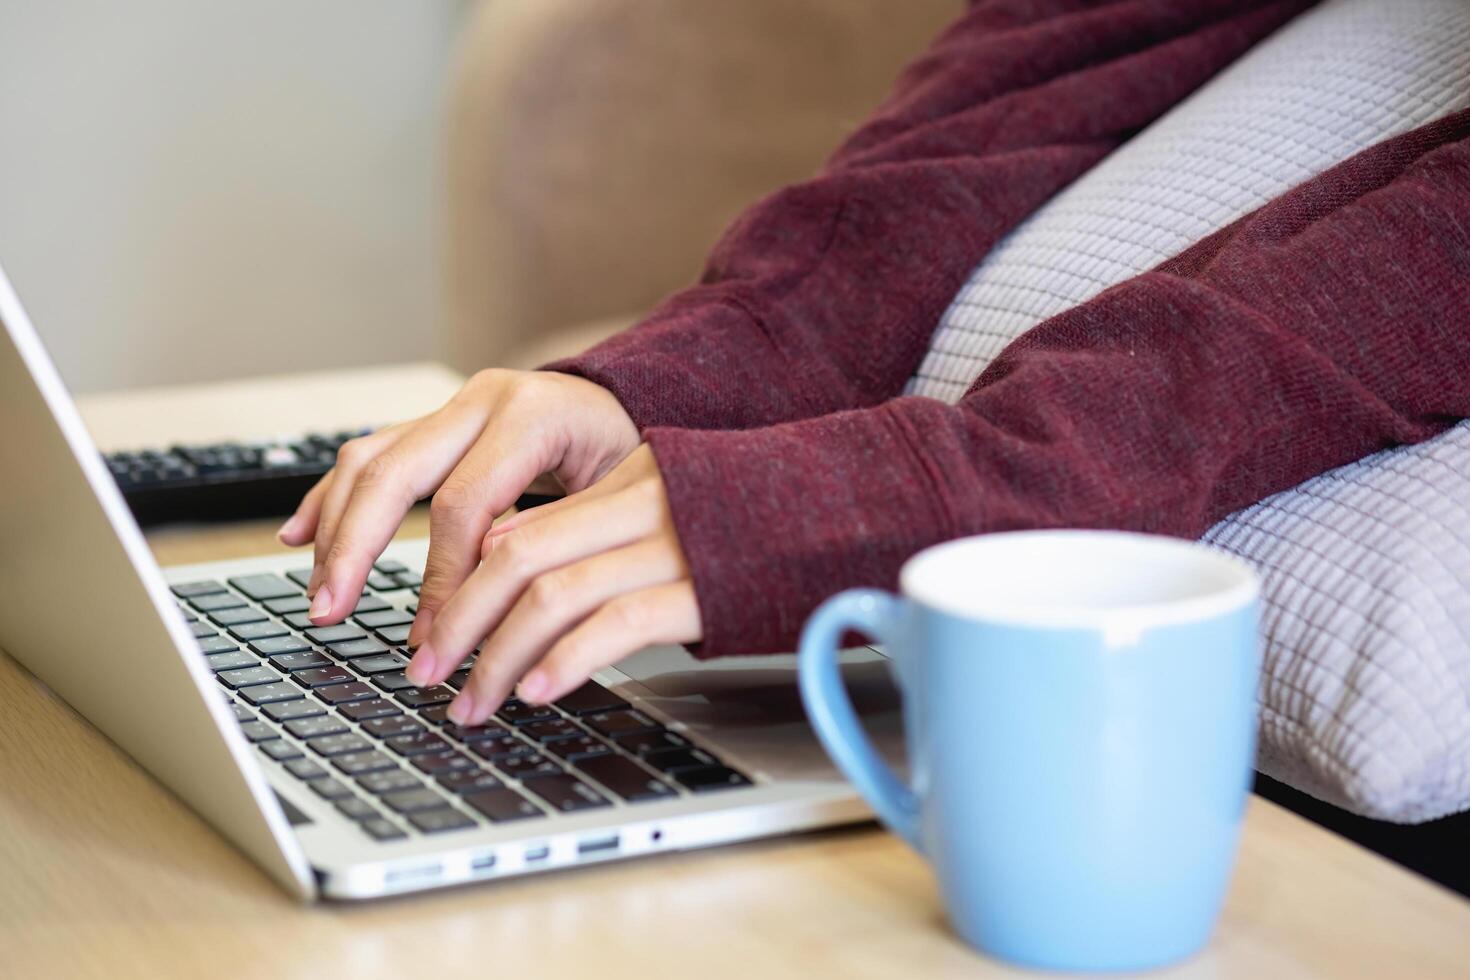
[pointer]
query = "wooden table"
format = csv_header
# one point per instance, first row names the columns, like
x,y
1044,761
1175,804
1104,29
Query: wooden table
x,y
104,874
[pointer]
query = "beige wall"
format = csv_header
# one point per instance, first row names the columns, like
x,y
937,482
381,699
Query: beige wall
x,y
196,190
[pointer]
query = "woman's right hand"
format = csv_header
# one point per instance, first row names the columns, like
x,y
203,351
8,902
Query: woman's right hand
x,y
476,455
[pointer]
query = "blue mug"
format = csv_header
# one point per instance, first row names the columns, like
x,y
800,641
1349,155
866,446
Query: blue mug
x,y
1080,713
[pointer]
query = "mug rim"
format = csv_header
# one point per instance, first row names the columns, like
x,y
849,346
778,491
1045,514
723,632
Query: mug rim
x,y
1122,623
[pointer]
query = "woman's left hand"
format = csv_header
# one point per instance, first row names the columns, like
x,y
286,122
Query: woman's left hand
x,y
563,590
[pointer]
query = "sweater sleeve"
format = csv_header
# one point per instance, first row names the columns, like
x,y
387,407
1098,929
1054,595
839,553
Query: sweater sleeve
x,y
824,296
1329,324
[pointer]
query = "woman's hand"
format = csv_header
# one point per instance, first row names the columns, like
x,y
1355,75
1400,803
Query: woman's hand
x,y
497,435
563,590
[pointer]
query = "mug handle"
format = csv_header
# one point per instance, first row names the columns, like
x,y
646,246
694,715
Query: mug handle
x,y
873,613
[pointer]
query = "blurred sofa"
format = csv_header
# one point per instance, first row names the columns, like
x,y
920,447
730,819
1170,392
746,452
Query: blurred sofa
x,y
597,148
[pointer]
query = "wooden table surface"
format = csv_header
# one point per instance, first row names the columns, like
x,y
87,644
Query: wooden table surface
x,y
103,873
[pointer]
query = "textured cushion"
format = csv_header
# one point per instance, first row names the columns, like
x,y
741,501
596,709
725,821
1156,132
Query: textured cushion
x,y
1366,695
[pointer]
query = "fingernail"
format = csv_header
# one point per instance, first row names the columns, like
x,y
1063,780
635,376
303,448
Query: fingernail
x,y
533,687
421,667
321,603
288,529
461,708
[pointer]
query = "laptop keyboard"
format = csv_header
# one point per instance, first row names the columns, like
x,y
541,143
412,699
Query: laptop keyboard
x,y
332,705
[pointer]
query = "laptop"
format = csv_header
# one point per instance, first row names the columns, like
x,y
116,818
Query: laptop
x,y
309,750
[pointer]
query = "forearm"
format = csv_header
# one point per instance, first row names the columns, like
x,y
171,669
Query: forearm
x,y
1326,326
824,296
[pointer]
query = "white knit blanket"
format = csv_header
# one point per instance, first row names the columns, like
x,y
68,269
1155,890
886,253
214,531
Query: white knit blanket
x,y
1365,699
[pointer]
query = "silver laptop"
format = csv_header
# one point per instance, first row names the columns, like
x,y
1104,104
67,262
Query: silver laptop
x,y
308,749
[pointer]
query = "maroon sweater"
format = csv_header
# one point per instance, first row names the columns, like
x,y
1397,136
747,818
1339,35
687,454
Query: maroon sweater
x,y
1330,323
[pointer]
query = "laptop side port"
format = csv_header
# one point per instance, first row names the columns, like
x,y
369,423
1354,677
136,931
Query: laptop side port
x,y
594,845
537,852
481,863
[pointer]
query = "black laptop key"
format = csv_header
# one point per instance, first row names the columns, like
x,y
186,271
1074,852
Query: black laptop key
x,y
390,726
280,749
383,617
233,660
418,743
615,723
290,710
440,821
248,677
389,781
498,746
502,805
397,635
408,580
467,780
369,603
258,731
441,762
565,793
354,809
391,682
710,778
379,582
371,708
589,698
458,679
425,697
522,766
301,576
413,800
380,664
264,630
543,731
202,630
436,714
342,693
264,586
277,645
217,644
299,621
322,676
362,763
305,728
517,712
625,778
389,566
192,590
303,660
329,788
330,745
475,734
672,760
381,829
290,604
576,747
334,634
364,646
216,601
641,743
305,769
234,617
242,713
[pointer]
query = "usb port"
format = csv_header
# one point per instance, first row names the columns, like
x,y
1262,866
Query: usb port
x,y
594,844
538,853
482,863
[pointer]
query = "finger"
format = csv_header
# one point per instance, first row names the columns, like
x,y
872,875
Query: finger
x,y
300,527
382,494
619,479
551,605
484,484
518,558
352,456
663,614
